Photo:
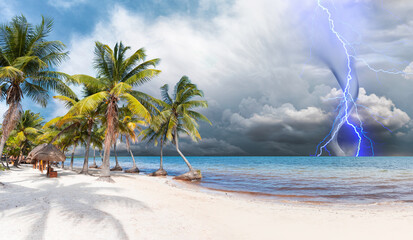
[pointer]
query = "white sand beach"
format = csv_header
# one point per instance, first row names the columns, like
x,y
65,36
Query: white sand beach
x,y
75,206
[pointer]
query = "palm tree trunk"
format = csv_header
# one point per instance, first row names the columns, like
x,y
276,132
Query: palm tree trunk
x,y
63,163
133,158
105,172
161,161
19,159
73,155
134,168
10,120
111,114
101,159
117,166
86,161
94,158
180,153
7,162
116,155
2,143
2,161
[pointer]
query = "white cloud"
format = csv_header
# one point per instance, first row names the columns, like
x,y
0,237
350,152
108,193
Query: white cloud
x,y
409,71
373,110
381,109
238,51
286,115
286,123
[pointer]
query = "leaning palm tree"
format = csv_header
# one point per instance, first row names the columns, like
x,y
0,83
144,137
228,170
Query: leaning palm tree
x,y
156,133
26,60
128,125
118,74
179,117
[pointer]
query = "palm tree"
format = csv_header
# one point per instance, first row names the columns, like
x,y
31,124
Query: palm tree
x,y
26,60
86,118
68,135
98,136
118,74
26,132
73,138
179,117
156,133
128,125
11,150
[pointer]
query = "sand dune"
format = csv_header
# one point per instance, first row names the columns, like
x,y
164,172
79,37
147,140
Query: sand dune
x,y
140,207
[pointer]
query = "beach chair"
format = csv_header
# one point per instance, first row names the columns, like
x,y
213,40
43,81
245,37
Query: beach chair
x,y
50,171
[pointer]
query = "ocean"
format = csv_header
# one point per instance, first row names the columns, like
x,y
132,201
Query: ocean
x,y
301,179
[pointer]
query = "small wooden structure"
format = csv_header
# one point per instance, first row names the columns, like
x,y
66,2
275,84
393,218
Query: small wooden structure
x,y
45,154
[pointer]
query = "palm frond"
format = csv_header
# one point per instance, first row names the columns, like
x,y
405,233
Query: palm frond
x,y
69,102
89,104
136,107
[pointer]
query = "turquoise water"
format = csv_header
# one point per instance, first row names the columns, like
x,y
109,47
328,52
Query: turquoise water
x,y
324,179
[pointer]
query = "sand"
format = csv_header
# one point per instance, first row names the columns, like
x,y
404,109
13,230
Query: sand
x,y
75,207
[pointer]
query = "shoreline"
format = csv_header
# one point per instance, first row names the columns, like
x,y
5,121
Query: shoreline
x,y
142,207
246,195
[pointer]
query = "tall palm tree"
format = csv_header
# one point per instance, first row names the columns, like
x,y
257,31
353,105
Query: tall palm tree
x,y
179,117
118,74
26,60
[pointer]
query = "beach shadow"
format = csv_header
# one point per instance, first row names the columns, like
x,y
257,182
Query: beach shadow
x,y
77,203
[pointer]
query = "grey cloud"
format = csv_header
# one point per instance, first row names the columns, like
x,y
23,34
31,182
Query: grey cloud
x,y
253,62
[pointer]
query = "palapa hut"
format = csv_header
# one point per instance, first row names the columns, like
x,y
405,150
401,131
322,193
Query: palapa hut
x,y
34,151
46,153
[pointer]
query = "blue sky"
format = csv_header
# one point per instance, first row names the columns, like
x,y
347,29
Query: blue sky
x,y
265,65
81,16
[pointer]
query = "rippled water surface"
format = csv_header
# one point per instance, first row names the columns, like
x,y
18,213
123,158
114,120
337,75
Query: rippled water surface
x,y
325,179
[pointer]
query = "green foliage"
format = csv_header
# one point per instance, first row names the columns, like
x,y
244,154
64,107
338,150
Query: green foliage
x,y
27,61
117,75
23,138
111,104
177,115
128,124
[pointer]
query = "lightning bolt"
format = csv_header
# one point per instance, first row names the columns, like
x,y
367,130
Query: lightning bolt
x,y
347,97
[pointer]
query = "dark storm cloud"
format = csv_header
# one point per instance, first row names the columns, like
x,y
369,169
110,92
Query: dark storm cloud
x,y
265,92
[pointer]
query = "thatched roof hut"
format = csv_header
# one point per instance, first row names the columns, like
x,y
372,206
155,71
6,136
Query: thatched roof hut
x,y
47,153
34,151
